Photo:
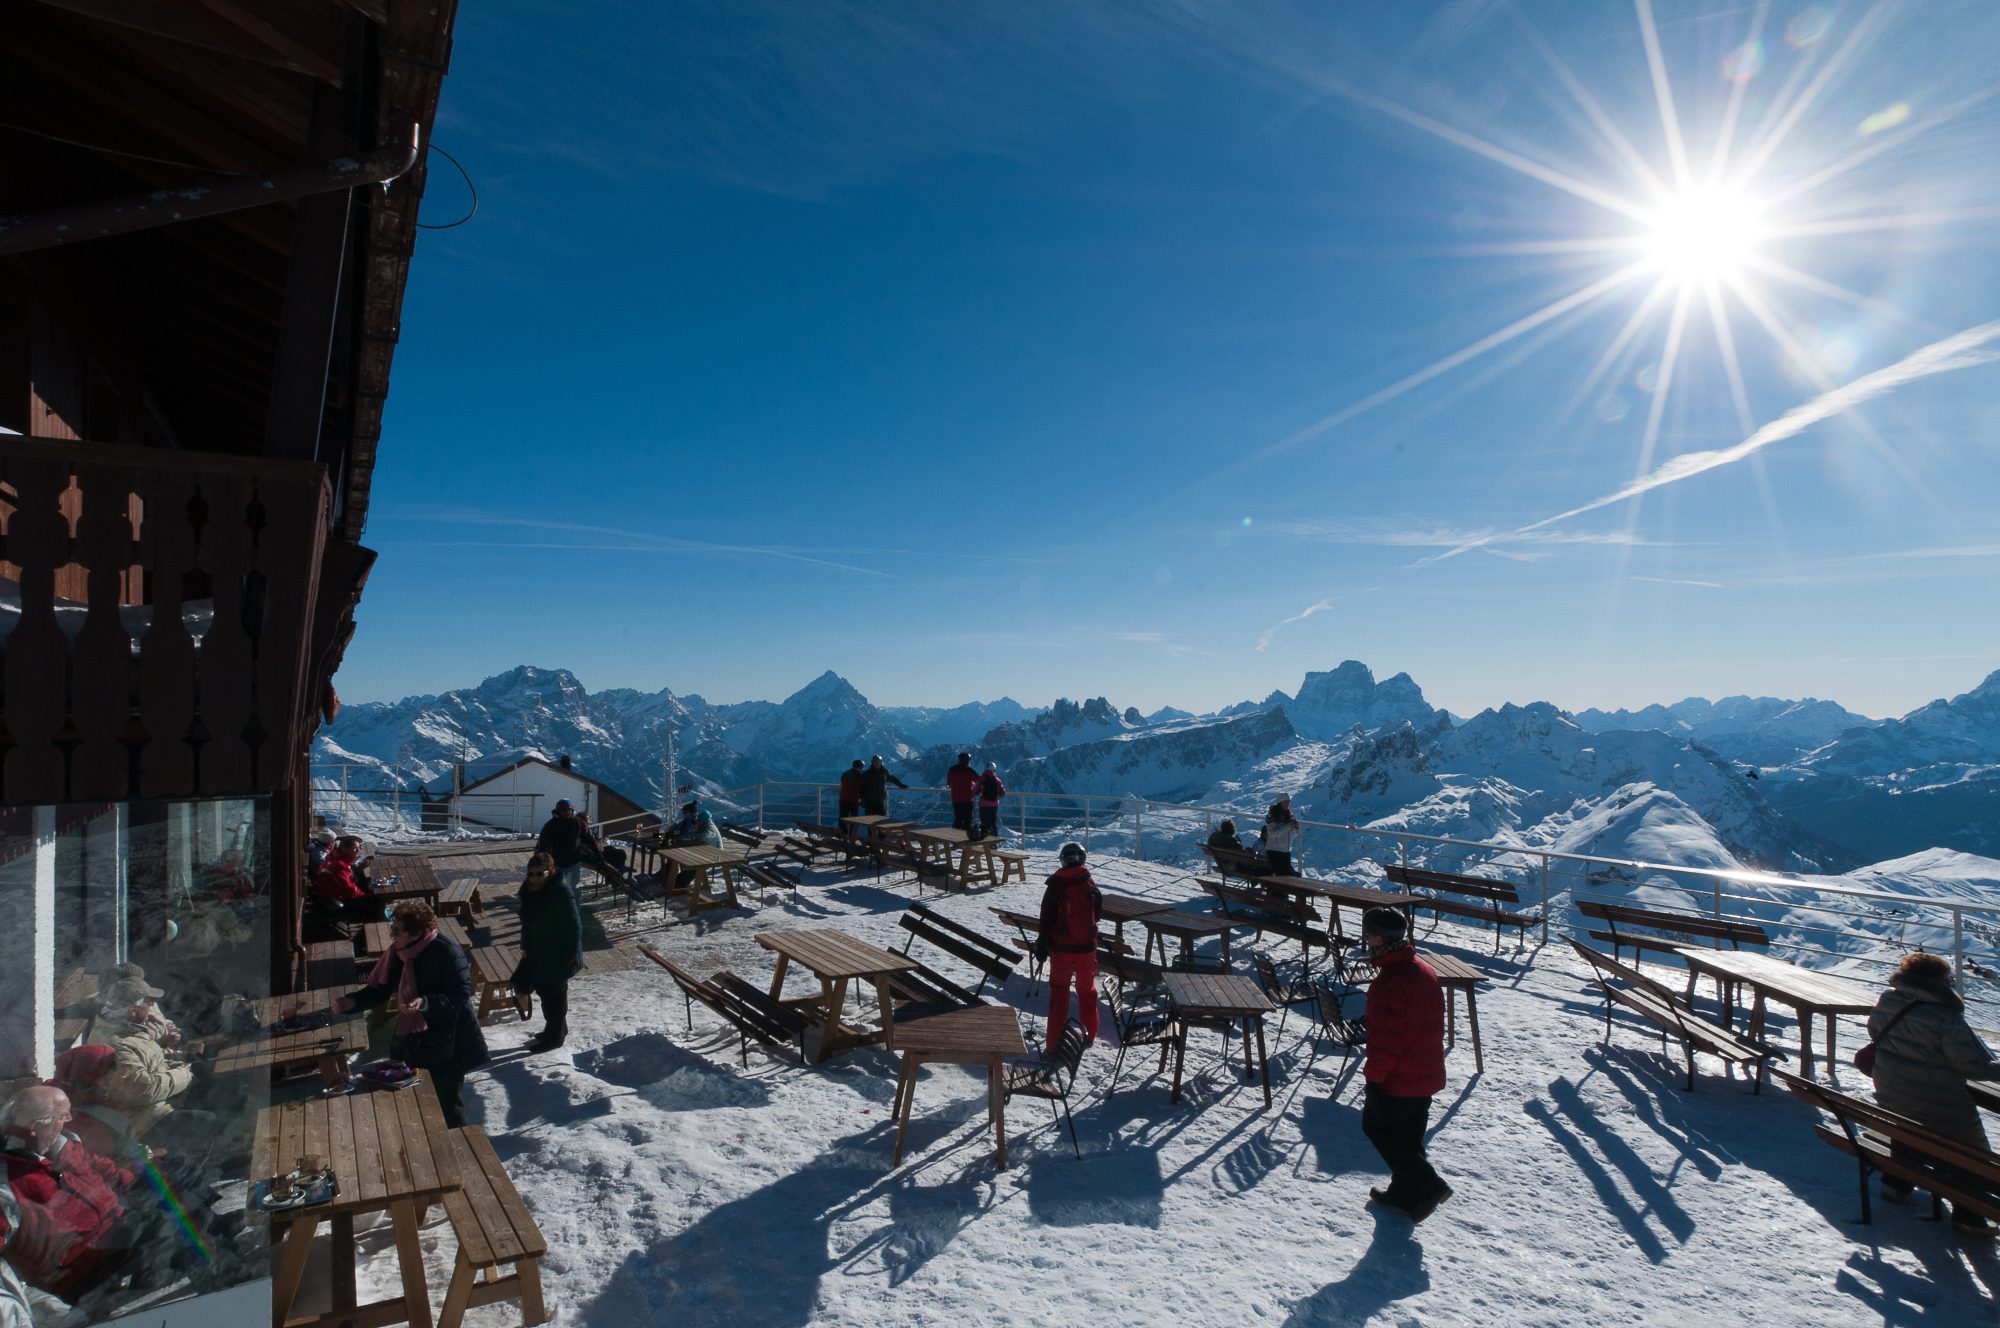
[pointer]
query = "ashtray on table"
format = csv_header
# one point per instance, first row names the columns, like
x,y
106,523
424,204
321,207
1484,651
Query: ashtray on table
x,y
308,1188
316,1019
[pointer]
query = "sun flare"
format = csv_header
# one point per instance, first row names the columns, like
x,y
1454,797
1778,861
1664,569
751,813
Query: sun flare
x,y
1702,236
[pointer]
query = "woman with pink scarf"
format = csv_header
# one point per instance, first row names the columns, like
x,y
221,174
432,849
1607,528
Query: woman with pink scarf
x,y
429,983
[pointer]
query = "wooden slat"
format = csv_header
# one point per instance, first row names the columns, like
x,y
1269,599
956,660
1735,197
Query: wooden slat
x,y
368,1149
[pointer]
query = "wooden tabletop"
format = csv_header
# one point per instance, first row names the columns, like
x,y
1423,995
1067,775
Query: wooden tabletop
x,y
1786,981
1216,994
1124,908
834,954
1354,896
1176,923
418,877
866,821
951,834
976,1033
1451,970
384,1146
267,1049
706,855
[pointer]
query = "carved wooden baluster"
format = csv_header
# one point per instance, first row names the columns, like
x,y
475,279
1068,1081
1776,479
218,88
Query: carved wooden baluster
x,y
10,616
166,658
225,650
256,589
101,652
38,542
198,618
136,619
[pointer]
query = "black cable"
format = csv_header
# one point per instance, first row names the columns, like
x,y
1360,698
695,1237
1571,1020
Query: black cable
x,y
115,152
470,186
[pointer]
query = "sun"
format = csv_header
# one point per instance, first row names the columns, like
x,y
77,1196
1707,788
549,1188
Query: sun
x,y
1702,236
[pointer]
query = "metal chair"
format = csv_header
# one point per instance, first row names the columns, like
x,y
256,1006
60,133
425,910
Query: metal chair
x,y
1050,1077
1283,994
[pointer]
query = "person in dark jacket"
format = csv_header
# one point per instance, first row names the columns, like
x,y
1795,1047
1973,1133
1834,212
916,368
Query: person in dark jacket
x,y
1925,1053
962,782
1279,835
551,948
1405,1065
565,839
991,790
1224,836
431,985
875,782
850,791
1072,905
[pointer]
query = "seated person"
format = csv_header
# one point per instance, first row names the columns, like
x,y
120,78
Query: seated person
x,y
143,1077
229,878
72,1233
81,1073
316,851
695,826
1224,836
342,887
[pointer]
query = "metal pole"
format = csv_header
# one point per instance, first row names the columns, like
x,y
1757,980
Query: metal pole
x,y
760,806
1403,851
346,813
1139,829
1545,899
819,805
1086,823
1957,949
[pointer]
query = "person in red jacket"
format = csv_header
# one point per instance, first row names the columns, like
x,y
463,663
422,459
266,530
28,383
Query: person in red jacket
x,y
1405,1065
962,781
80,1237
850,791
1071,907
340,886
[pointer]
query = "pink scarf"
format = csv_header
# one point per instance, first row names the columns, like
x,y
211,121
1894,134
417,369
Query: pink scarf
x,y
408,1022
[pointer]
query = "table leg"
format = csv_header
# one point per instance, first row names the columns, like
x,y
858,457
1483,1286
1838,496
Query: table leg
x,y
410,1254
1450,1018
906,1092
1263,1059
1805,1042
778,982
1831,1020
343,1261
291,1265
996,1107
1756,1030
1472,1017
834,993
1226,960
1180,1057
888,1007
729,885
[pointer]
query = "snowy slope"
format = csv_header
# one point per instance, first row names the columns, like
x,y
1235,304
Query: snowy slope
x,y
1757,730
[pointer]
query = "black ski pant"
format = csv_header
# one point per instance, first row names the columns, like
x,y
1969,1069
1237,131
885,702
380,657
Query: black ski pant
x,y
1395,1125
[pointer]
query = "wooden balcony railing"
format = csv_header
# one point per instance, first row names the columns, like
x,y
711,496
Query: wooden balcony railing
x,y
155,608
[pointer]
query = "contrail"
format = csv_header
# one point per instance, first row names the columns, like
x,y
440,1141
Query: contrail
x,y
1960,351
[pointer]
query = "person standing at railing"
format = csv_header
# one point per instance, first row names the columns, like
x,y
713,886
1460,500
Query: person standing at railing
x,y
991,790
875,782
962,782
565,839
1925,1053
850,792
1279,835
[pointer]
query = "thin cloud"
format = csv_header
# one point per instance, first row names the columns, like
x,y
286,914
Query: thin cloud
x,y
1959,351
1678,581
1160,641
1426,537
1264,638
636,541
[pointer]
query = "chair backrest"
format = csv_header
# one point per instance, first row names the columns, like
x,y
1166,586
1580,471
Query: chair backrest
x,y
1267,973
1334,1017
1069,1051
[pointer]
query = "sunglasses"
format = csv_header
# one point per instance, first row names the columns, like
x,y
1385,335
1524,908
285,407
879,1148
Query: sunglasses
x,y
537,872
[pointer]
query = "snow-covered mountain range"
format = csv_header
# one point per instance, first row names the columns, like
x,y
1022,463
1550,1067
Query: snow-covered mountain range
x,y
1787,785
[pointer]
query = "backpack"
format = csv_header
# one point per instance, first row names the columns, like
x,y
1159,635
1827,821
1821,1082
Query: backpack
x,y
1075,926
989,788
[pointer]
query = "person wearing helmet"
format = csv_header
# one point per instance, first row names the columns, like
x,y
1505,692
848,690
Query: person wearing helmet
x,y
1405,1065
991,790
1067,941
962,781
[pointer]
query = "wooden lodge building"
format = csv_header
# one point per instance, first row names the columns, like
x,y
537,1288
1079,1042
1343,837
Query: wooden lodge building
x,y
207,218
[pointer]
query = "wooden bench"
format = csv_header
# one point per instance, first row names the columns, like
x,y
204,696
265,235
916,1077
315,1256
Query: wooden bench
x,y
1897,1146
1270,913
493,976
1240,863
374,941
993,959
827,839
329,964
1013,865
494,1229
769,875
1432,887
925,985
752,1012
1657,1003
1027,926
1679,929
461,899
747,837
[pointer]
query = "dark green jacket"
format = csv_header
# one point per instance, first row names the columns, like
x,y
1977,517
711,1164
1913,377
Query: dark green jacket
x,y
551,934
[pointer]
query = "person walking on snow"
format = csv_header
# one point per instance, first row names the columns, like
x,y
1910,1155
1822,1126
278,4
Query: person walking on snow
x,y
991,790
1405,1065
875,782
1067,942
962,782
551,950
850,792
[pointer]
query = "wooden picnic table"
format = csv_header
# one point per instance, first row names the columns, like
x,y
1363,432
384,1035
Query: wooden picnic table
x,y
879,827
1223,996
389,1150
1121,909
1358,897
957,1035
329,1044
1455,976
1769,979
694,862
836,959
1190,927
418,880
939,842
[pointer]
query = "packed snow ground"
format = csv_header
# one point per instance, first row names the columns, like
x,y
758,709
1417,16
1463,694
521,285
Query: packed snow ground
x,y
676,1186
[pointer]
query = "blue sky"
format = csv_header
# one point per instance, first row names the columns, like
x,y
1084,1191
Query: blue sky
x,y
1167,352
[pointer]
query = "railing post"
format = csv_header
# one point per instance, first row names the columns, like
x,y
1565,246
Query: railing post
x,y
1139,829
1403,851
760,806
1086,822
819,806
1957,948
1545,899
1718,905
346,813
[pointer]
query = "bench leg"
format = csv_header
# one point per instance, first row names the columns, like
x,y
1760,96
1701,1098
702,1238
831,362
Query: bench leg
x,y
532,1309
410,1255
1472,1017
457,1296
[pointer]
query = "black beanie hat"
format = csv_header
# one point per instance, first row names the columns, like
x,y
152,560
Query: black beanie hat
x,y
1384,922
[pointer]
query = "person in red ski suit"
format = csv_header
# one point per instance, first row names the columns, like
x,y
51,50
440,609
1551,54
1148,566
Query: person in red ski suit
x,y
962,781
850,792
1071,908
74,1194
1405,1065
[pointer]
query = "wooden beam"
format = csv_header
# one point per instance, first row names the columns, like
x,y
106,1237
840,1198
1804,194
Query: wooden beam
x,y
322,235
310,53
202,25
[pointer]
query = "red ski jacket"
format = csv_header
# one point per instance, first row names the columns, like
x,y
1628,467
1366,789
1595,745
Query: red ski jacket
x,y
77,1193
1405,1026
336,879
963,781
